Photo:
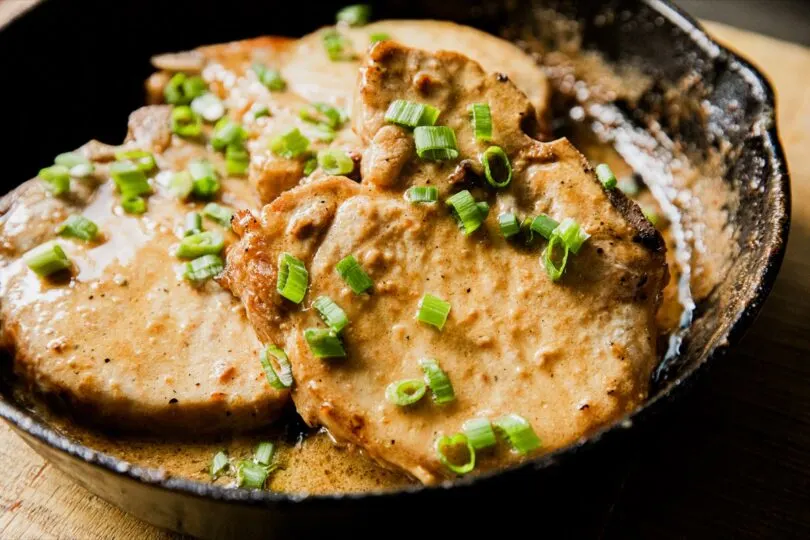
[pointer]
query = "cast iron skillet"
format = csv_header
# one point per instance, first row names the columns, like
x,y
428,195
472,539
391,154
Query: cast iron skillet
x,y
74,70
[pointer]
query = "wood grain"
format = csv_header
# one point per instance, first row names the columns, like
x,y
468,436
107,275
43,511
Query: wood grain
x,y
733,462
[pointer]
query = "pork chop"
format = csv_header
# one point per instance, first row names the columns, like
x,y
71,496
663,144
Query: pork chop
x,y
568,356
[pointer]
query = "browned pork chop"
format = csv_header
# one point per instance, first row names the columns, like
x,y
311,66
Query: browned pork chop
x,y
125,339
568,356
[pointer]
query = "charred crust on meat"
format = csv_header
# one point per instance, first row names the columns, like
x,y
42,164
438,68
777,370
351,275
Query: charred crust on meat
x,y
462,172
501,77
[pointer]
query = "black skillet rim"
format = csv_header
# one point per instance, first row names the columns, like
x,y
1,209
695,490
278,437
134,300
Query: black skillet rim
x,y
779,219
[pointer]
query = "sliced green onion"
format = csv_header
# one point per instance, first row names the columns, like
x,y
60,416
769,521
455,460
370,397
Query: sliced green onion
x,y
510,226
447,448
338,48
129,179
205,183
483,209
353,274
554,270
438,381
481,121
220,214
219,464
571,234
46,259
406,392
264,453
209,106
203,268
331,313
519,433
186,122
467,213
651,215
270,78
433,310
335,162
279,376
142,159
133,204
480,433
526,229
323,113
544,226
251,475
203,243
57,177
324,343
293,278
78,165
422,194
193,224
237,160
227,132
82,170
310,165
181,89
257,110
435,143
78,226
290,145
494,155
181,185
606,176
323,133
411,114
356,15
377,37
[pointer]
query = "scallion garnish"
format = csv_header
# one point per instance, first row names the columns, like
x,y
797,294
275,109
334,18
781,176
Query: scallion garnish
x,y
193,224
323,133
331,313
257,110
337,46
606,176
185,122
290,145
456,453
251,475
497,167
78,165
220,214
651,215
467,213
310,165
219,464
203,268
433,310
335,162
406,392
481,121
483,209
544,226
323,113
209,107
355,15
480,433
46,259
181,89
142,159
377,37
411,114
571,234
237,159
553,269
422,194
293,278
204,179
270,78
133,204
181,185
518,432
264,453
436,143
129,179
510,226
203,243
57,178
226,133
78,226
438,381
353,274
277,367
324,343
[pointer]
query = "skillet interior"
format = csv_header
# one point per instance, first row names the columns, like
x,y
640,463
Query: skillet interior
x,y
109,49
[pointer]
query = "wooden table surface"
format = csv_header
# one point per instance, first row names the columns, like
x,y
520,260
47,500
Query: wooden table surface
x,y
733,460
